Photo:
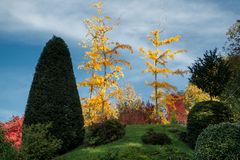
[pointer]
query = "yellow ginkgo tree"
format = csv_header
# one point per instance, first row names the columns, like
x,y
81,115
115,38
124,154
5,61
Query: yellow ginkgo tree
x,y
104,65
156,62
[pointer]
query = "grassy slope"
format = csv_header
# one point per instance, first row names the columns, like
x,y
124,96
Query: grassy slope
x,y
131,142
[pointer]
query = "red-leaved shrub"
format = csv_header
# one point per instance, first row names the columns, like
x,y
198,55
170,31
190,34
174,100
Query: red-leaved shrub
x,y
13,130
140,115
178,109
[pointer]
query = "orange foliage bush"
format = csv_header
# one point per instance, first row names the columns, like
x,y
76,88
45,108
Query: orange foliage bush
x,y
177,108
143,114
13,130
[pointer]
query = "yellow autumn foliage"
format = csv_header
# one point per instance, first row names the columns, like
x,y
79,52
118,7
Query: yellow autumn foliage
x,y
104,67
193,95
156,65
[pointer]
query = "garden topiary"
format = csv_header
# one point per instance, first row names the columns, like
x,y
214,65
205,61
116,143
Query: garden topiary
x,y
54,97
104,132
221,141
154,138
203,114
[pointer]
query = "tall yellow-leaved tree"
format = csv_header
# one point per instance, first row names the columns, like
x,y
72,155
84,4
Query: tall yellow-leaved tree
x,y
156,62
104,65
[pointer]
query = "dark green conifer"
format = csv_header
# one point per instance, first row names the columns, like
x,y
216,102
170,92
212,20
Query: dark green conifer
x,y
54,97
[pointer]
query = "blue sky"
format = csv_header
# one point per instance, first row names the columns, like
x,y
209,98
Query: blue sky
x,y
25,27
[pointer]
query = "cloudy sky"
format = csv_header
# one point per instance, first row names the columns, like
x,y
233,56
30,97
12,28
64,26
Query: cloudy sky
x,y
25,27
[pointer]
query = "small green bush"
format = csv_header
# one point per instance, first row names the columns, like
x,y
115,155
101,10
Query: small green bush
x,y
105,132
174,130
38,143
154,138
7,150
221,141
182,136
203,114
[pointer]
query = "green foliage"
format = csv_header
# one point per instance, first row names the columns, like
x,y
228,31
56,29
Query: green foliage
x,y
154,138
54,97
38,143
219,142
203,114
105,132
7,150
210,73
182,136
233,43
231,95
174,118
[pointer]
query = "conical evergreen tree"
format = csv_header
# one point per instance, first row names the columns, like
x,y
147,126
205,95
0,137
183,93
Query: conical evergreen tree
x,y
54,97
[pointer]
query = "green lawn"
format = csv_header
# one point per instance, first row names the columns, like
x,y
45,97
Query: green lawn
x,y
131,146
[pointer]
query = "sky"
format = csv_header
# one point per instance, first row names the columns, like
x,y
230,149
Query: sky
x,y
25,27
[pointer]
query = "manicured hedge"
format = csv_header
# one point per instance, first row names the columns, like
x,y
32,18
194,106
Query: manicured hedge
x,y
203,114
104,132
221,141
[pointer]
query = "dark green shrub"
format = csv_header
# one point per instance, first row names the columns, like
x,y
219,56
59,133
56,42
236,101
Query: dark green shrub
x,y
54,97
203,114
105,132
210,73
7,150
154,138
174,130
221,141
182,136
38,143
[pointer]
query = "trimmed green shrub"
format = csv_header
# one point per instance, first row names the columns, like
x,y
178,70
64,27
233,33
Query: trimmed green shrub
x,y
105,132
7,150
174,130
203,114
154,138
38,143
221,141
54,97
182,136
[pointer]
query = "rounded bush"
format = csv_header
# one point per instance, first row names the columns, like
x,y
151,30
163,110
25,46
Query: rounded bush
x,y
221,141
105,132
203,114
154,138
